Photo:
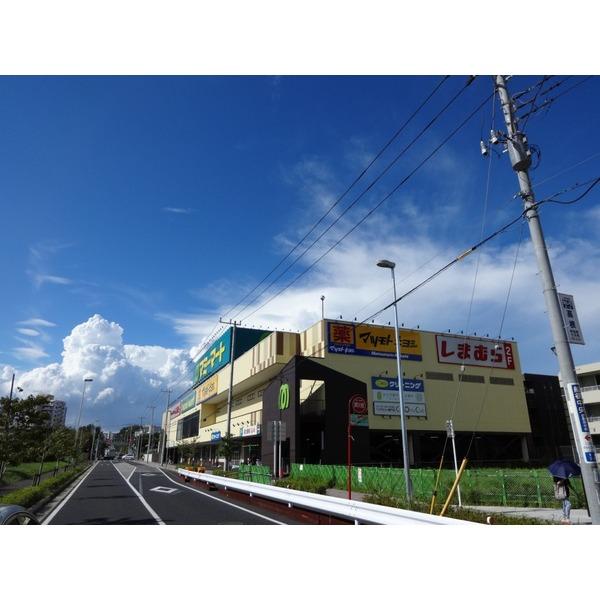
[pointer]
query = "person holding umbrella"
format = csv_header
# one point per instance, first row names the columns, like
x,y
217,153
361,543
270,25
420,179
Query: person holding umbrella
x,y
561,470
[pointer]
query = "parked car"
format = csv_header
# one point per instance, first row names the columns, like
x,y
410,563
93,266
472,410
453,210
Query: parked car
x,y
128,457
12,514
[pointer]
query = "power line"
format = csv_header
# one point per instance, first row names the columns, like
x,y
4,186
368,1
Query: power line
x,y
370,212
362,194
549,101
581,196
346,191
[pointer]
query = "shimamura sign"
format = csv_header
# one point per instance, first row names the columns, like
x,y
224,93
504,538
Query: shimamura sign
x,y
369,340
477,352
215,358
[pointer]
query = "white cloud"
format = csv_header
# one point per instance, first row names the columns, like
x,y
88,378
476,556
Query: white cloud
x,y
29,332
36,322
126,378
177,210
40,278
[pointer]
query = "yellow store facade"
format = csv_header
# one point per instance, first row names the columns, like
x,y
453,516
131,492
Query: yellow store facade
x,y
476,382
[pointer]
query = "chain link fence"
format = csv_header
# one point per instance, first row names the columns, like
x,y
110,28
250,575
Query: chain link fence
x,y
478,487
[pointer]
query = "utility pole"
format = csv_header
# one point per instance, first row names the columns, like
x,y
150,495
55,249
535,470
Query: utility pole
x,y
163,446
139,448
151,407
230,392
520,159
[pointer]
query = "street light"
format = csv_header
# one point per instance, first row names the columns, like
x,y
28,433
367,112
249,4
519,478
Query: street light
x,y
388,264
86,380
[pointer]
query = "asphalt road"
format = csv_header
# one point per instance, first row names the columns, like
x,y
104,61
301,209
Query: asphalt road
x,y
123,493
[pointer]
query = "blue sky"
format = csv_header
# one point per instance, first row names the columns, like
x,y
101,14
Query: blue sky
x,y
158,202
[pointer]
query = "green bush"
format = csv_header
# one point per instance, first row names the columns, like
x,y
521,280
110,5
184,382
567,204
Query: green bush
x,y
30,495
305,484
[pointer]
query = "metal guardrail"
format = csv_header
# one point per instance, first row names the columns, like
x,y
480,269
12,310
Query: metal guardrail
x,y
353,510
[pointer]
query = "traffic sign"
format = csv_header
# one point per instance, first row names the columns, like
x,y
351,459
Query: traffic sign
x,y
358,405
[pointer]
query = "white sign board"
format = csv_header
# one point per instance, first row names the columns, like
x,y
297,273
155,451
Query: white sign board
x,y
576,408
386,401
570,320
461,350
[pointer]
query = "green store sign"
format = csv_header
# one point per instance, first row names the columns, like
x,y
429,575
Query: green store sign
x,y
284,396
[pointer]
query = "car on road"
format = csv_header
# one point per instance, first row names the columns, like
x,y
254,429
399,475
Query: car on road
x,y
12,514
108,457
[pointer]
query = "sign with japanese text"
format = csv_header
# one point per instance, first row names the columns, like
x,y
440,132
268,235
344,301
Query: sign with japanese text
x,y
207,389
461,350
188,402
371,340
215,358
250,430
386,400
176,410
215,436
570,320
575,405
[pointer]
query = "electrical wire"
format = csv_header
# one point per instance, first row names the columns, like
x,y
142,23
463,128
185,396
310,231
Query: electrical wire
x,y
580,197
360,196
549,101
346,191
565,170
541,85
372,210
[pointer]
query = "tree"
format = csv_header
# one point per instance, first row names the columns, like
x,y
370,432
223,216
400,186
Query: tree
x,y
24,429
227,447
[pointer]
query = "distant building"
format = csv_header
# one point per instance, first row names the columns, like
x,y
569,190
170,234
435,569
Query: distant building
x,y
57,413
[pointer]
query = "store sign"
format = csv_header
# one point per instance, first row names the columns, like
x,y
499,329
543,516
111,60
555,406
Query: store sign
x,y
575,405
386,401
359,420
215,436
570,319
176,410
369,340
188,402
215,358
250,430
208,389
284,396
460,350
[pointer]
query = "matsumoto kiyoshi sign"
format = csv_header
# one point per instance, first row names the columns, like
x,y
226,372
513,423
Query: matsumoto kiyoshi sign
x,y
460,350
386,400
370,340
215,358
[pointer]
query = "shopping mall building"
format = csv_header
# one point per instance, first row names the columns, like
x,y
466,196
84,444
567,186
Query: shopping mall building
x,y
307,381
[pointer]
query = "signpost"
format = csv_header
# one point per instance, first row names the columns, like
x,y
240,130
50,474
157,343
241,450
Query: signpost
x,y
357,406
277,432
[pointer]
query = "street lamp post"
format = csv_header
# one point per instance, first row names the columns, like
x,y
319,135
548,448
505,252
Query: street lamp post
x,y
388,264
86,380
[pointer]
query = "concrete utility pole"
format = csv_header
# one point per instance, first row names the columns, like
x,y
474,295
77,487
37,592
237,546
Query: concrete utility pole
x,y
139,444
520,159
163,450
230,393
152,407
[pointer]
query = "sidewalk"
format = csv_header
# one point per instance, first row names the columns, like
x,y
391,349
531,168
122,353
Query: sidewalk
x,y
579,516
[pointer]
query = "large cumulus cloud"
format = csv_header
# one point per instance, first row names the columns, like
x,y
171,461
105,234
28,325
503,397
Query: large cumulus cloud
x,y
127,378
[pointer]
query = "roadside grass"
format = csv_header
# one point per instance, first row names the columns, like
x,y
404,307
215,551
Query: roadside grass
x,y
29,496
27,471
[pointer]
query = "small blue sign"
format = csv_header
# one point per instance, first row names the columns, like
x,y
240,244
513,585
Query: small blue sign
x,y
580,409
215,436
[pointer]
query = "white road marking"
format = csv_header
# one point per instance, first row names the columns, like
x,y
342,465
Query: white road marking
x,y
67,498
221,500
132,472
163,490
142,499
